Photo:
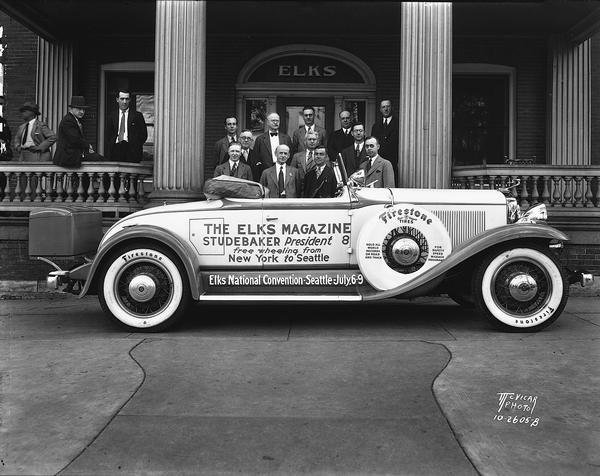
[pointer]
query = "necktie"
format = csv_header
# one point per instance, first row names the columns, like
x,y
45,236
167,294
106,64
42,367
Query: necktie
x,y
318,172
245,156
273,134
280,182
122,127
309,161
357,151
368,165
231,138
233,170
25,134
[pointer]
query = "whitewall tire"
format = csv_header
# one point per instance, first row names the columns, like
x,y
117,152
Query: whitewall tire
x,y
143,289
521,289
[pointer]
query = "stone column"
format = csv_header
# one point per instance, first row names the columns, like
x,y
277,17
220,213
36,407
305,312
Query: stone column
x,y
425,110
570,128
179,85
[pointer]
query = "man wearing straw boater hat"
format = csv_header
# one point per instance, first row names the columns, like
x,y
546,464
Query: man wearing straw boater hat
x,y
34,138
72,147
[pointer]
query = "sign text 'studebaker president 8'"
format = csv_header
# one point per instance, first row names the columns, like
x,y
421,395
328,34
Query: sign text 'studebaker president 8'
x,y
364,244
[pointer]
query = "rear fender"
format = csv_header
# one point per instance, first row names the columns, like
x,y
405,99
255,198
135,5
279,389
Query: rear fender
x,y
468,249
183,250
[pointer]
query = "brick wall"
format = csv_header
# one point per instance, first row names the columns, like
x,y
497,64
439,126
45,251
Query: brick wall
x,y
20,64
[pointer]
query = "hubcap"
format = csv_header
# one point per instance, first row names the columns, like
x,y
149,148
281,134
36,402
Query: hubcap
x,y
522,287
142,288
405,251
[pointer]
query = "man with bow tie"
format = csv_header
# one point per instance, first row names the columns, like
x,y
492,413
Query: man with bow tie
x,y
341,138
222,145
266,144
308,114
386,129
234,167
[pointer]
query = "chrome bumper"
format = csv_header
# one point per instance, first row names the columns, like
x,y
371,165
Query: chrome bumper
x,y
68,281
581,277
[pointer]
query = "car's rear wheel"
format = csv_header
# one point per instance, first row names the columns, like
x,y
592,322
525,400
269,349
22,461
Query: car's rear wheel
x,y
520,289
143,289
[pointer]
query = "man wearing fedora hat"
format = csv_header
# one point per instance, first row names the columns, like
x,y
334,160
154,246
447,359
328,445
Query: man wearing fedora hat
x,y
71,147
34,138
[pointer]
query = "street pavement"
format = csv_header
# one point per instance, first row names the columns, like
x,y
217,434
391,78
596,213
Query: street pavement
x,y
420,387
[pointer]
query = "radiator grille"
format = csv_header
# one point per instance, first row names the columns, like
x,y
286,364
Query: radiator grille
x,y
462,225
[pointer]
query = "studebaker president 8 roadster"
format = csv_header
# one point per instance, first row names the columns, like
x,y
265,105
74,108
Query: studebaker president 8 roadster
x,y
364,244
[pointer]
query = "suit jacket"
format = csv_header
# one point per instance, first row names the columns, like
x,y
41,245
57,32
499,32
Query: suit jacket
x,y
337,142
252,161
293,187
350,162
137,133
381,172
43,137
300,134
388,139
222,149
243,171
262,149
71,145
323,187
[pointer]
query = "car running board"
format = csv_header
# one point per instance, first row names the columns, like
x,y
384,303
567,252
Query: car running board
x,y
279,297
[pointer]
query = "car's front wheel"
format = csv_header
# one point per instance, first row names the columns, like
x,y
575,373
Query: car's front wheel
x,y
520,289
143,288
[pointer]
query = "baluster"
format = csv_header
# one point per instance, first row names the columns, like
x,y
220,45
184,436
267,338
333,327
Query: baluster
x,y
37,194
132,182
60,191
101,188
481,179
141,193
80,188
524,194
546,190
502,182
112,191
578,193
534,189
90,189
556,192
70,189
471,180
6,197
492,182
18,188
568,195
122,181
588,192
27,187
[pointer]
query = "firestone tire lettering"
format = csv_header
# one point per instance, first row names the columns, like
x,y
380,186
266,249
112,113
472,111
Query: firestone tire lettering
x,y
399,244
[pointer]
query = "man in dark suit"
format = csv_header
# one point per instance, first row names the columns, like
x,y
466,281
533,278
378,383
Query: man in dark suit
x,y
341,138
266,143
386,130
356,153
234,167
320,181
71,146
222,145
127,131
282,180
379,172
298,143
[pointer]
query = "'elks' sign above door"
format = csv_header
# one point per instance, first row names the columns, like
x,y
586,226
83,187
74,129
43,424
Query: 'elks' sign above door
x,y
305,68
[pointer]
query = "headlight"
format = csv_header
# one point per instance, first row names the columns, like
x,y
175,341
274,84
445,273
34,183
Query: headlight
x,y
512,210
535,214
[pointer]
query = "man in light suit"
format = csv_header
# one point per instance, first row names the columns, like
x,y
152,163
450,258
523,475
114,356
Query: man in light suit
x,y
341,138
282,180
34,138
222,145
305,160
234,167
298,144
320,181
355,154
386,130
266,143
379,172
127,131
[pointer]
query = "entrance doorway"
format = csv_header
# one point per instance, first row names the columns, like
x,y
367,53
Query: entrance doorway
x,y
290,112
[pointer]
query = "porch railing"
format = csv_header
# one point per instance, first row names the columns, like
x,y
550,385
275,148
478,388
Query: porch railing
x,y
112,187
558,187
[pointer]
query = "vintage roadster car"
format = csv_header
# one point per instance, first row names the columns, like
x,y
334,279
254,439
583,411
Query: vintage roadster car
x,y
364,244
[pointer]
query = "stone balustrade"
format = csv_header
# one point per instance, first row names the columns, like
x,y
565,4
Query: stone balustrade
x,y
112,187
555,186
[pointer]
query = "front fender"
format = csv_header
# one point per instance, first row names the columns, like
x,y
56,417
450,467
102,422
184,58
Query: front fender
x,y
183,250
477,244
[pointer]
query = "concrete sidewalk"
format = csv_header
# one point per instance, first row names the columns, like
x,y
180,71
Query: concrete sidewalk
x,y
385,388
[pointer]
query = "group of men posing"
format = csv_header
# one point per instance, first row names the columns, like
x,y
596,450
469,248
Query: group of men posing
x,y
300,166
